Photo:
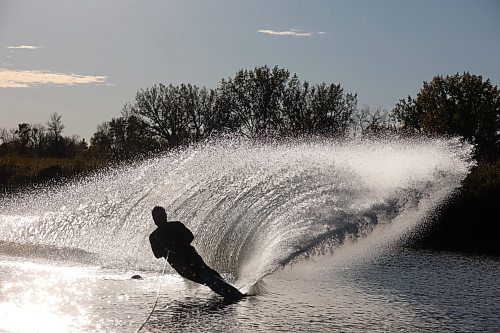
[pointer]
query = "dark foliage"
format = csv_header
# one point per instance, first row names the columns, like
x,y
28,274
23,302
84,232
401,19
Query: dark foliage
x,y
470,220
467,106
255,103
463,105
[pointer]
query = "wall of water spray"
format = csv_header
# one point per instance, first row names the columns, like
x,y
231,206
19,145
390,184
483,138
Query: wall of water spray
x,y
253,207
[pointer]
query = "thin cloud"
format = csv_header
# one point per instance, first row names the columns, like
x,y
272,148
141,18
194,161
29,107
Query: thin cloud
x,y
25,47
24,79
291,32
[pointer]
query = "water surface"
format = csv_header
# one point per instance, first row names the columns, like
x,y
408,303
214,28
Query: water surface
x,y
405,291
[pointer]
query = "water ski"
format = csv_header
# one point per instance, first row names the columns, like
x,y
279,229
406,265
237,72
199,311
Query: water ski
x,y
234,297
224,289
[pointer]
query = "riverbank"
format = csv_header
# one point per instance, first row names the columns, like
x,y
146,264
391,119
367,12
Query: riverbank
x,y
470,220
18,173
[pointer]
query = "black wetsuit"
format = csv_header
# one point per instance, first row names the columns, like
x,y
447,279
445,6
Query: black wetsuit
x,y
173,241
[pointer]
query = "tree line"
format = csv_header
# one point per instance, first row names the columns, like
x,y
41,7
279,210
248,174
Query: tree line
x,y
33,153
255,103
267,102
39,140
270,102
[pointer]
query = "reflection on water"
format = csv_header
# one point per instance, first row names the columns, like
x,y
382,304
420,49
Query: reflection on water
x,y
41,298
407,292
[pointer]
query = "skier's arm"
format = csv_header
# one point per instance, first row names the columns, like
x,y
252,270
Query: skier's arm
x,y
182,233
159,250
186,234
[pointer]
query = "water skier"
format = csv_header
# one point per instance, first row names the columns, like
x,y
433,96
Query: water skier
x,y
172,240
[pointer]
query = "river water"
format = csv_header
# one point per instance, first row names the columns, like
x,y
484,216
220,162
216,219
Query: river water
x,y
403,291
312,229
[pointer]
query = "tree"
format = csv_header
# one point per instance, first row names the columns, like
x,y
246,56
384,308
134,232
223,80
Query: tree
x,y
407,115
128,136
199,105
331,109
268,91
255,98
296,107
4,135
100,143
54,127
462,105
123,137
55,145
224,120
23,137
320,109
160,107
39,138
366,122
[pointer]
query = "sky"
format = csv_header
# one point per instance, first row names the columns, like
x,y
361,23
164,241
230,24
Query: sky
x,y
86,59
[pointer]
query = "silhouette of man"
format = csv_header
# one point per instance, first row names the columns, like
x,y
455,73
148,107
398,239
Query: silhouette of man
x,y
172,240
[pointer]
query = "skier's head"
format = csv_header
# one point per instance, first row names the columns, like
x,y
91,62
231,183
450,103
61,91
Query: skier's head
x,y
159,215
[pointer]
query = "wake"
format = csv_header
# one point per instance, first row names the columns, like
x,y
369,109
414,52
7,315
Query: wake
x,y
253,207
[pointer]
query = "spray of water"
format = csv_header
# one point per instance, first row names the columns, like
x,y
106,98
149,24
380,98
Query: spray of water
x,y
253,207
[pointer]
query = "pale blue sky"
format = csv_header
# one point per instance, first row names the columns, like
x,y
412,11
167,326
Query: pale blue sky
x,y
108,50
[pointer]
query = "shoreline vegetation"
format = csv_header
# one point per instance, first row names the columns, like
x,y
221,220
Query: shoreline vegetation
x,y
269,102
